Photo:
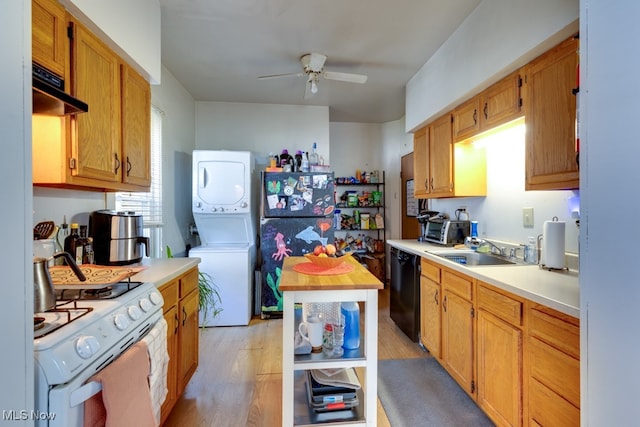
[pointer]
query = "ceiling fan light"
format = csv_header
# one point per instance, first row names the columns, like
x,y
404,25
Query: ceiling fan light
x,y
314,87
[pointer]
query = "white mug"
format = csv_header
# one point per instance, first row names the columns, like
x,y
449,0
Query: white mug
x,y
312,331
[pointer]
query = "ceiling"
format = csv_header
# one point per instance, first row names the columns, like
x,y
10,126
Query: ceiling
x,y
217,49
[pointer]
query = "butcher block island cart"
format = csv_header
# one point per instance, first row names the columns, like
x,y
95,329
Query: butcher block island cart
x,y
298,287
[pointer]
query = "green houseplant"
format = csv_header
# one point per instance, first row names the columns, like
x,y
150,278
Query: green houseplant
x,y
208,293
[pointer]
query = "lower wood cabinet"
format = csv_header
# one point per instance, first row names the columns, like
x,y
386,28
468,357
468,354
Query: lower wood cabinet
x,y
181,313
457,329
430,306
519,360
500,356
553,368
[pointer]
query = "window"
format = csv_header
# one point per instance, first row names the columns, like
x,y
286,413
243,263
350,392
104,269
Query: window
x,y
149,204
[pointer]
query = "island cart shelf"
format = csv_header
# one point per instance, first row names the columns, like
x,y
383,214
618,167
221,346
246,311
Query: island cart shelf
x,y
358,285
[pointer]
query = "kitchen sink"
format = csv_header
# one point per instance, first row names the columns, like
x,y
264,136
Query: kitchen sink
x,y
473,259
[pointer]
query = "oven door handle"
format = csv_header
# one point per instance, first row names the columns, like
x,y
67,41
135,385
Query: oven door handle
x,y
84,393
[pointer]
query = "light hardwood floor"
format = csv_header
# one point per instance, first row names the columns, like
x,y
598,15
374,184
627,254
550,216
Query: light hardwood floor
x,y
239,378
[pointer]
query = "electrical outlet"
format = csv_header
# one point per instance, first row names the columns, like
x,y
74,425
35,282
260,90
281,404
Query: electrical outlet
x,y
527,217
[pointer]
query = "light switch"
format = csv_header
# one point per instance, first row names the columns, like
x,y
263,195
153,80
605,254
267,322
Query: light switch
x,y
527,217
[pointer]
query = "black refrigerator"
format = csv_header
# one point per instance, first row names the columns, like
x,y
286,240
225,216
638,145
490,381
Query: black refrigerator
x,y
296,215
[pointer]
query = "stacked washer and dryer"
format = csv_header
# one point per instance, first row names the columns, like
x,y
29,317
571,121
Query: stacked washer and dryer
x,y
224,209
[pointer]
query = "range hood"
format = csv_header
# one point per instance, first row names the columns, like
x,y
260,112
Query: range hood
x,y
49,97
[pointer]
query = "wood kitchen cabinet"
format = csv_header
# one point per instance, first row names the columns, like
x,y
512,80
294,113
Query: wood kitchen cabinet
x,y
421,168
430,307
550,115
49,35
519,360
444,169
107,148
458,329
170,292
500,355
188,329
136,127
181,313
553,368
495,106
441,158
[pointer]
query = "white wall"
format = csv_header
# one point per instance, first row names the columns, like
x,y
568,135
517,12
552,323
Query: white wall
x,y
262,128
498,37
355,146
132,28
609,291
178,142
16,289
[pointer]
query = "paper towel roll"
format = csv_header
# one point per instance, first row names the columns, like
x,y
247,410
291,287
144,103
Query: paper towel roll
x,y
553,244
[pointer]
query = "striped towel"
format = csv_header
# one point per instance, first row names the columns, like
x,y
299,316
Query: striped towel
x,y
156,340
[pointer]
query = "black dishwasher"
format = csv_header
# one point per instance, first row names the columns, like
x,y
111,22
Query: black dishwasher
x,y
405,292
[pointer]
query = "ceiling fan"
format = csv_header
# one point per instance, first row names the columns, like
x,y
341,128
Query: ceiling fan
x,y
313,68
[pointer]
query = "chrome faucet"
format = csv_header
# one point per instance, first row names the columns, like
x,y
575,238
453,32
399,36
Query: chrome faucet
x,y
495,249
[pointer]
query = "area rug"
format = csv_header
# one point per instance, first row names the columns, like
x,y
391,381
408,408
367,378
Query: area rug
x,y
419,392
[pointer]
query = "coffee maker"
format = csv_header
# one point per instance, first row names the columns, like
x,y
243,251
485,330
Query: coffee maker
x,y
117,237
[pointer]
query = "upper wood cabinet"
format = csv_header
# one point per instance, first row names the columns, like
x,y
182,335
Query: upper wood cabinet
x,y
441,157
444,169
421,162
433,159
493,107
49,35
107,148
502,102
550,115
136,127
96,150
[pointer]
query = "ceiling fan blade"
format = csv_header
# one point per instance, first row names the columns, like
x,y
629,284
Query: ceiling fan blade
x,y
345,77
275,76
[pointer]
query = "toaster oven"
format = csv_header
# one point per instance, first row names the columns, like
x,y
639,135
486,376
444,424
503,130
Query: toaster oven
x,y
446,232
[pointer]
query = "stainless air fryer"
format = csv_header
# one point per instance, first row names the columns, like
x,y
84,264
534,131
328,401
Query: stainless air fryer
x,y
117,237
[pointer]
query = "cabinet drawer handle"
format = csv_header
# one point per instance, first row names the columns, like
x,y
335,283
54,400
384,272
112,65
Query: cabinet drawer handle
x,y
128,166
486,110
475,116
435,297
444,303
117,162
184,316
175,317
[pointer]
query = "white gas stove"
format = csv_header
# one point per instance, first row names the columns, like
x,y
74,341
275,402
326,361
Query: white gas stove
x,y
86,331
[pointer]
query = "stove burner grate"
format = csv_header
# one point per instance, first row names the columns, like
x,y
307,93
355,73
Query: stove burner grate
x,y
72,313
98,293
38,322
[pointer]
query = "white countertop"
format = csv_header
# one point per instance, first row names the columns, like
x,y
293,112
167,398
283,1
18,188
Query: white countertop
x,y
556,289
163,270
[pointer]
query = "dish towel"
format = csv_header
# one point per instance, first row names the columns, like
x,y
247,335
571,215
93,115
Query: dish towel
x,y
125,392
156,340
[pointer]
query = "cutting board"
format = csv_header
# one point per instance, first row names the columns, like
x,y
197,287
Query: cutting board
x,y
98,276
